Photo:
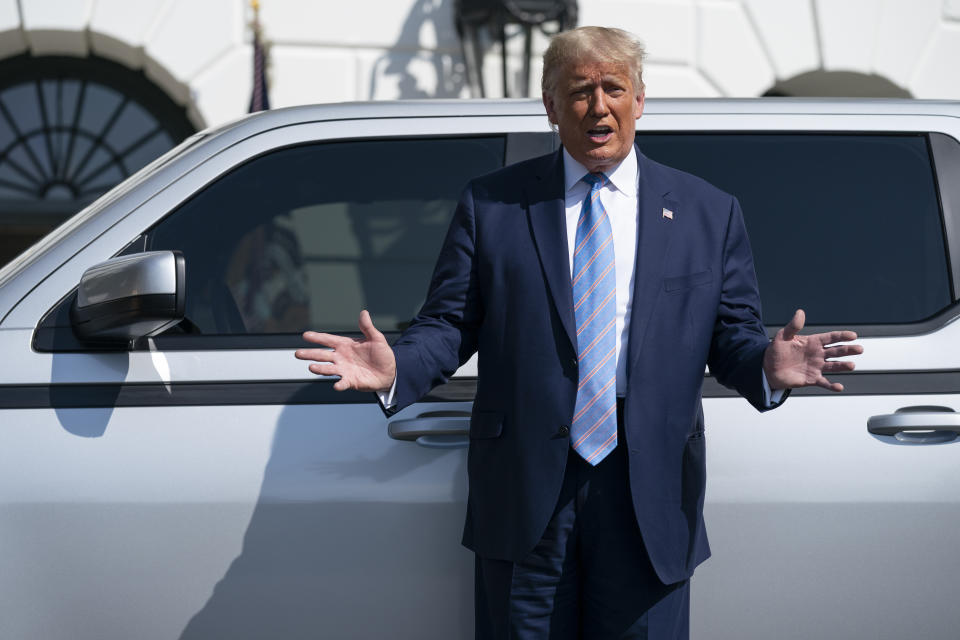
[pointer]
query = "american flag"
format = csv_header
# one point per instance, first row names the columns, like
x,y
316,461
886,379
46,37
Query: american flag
x,y
259,99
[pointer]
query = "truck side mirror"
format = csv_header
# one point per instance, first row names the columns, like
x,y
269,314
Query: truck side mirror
x,y
130,297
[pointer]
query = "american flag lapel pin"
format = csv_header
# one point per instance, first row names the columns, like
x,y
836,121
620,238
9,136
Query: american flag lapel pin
x,y
667,214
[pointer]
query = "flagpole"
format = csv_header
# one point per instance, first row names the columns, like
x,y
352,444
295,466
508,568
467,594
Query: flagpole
x,y
259,98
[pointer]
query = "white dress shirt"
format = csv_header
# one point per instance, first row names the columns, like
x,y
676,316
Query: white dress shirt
x,y
619,199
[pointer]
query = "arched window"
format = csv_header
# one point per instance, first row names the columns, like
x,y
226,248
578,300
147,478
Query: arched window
x,y
837,84
70,129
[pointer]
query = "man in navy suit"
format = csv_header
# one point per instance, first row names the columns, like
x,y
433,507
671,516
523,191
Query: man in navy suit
x,y
576,539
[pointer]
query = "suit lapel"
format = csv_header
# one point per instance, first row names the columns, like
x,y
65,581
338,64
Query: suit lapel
x,y
654,233
545,206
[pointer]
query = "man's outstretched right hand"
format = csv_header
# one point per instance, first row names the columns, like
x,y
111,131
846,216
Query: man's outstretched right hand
x,y
365,364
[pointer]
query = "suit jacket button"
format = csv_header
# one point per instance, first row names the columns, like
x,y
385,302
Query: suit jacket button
x,y
564,430
574,363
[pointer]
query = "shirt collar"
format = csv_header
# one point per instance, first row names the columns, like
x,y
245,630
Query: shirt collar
x,y
623,177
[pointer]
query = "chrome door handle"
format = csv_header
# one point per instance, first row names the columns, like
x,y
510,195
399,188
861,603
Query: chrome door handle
x,y
435,429
918,425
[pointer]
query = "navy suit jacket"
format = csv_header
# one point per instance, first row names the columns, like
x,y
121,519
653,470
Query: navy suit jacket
x,y
502,288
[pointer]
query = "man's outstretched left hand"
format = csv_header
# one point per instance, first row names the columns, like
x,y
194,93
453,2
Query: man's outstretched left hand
x,y
793,360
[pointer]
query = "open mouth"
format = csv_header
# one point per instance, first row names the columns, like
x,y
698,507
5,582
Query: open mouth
x,y
600,134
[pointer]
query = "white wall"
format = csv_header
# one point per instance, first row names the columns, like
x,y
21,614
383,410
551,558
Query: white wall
x,y
331,50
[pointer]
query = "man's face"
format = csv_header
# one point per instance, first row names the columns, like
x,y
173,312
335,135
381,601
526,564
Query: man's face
x,y
595,106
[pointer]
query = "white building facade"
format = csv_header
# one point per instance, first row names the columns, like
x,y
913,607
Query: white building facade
x,y
199,52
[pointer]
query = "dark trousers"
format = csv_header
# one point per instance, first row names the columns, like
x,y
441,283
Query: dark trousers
x,y
589,576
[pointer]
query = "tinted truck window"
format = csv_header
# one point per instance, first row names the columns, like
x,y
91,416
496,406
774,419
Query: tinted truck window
x,y
848,227
306,237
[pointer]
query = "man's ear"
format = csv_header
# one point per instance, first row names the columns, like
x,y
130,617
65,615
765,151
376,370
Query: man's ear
x,y
638,111
551,107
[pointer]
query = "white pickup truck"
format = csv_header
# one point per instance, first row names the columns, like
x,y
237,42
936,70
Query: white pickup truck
x,y
169,470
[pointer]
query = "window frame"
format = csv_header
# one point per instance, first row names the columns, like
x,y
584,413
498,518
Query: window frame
x,y
59,338
941,162
33,215
174,192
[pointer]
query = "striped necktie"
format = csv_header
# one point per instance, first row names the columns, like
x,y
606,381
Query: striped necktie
x,y
594,429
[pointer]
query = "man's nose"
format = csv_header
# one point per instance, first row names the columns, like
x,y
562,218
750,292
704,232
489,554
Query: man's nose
x,y
598,103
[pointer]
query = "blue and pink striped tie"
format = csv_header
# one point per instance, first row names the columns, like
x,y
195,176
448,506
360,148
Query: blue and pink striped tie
x,y
594,429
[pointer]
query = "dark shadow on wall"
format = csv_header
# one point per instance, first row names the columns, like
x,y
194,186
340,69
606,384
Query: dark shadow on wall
x,y
837,84
448,68
342,543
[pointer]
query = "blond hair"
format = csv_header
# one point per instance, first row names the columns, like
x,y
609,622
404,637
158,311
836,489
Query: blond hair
x,y
587,44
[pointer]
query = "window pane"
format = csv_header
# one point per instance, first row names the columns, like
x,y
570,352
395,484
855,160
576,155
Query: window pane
x,y
846,227
71,129
306,237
